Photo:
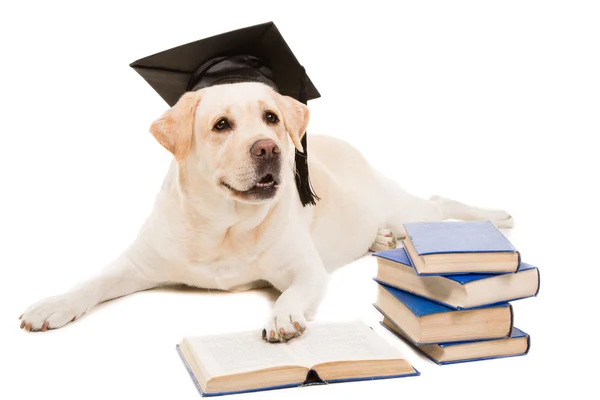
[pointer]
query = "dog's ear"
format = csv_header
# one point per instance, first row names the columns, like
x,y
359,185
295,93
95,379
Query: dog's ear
x,y
295,118
175,128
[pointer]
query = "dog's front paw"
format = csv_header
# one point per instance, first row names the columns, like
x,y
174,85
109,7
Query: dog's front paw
x,y
284,325
385,240
505,220
51,313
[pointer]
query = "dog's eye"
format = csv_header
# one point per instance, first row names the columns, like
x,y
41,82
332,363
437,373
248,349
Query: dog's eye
x,y
271,118
222,125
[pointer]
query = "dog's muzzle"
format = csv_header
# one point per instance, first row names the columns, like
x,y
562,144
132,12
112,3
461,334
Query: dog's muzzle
x,y
266,157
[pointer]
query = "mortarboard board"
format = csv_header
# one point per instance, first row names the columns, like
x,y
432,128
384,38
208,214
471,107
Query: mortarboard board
x,y
254,54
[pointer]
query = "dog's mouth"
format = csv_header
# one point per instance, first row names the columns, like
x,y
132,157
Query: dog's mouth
x,y
264,188
267,181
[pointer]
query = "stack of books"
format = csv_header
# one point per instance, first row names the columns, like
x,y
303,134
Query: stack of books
x,y
448,291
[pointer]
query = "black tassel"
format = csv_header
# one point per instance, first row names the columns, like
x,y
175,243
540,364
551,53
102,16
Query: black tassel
x,y
305,189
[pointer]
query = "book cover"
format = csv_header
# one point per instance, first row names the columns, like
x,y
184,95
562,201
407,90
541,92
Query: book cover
x,y
420,306
516,333
457,237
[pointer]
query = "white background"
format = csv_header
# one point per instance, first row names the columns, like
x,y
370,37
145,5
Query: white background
x,y
492,103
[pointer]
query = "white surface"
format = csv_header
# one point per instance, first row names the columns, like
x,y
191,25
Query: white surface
x,y
494,105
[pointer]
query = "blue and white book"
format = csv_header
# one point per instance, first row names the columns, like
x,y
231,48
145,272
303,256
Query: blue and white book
x,y
425,322
453,247
517,344
325,353
461,291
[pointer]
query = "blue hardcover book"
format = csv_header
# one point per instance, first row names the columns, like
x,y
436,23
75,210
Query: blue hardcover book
x,y
517,344
461,291
444,248
326,353
424,321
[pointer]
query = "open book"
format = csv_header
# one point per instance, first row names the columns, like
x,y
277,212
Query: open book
x,y
325,353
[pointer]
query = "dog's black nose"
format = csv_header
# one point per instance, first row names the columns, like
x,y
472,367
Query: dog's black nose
x,y
265,149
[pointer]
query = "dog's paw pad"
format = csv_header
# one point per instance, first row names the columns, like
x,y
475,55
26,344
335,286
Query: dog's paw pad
x,y
283,326
385,240
51,313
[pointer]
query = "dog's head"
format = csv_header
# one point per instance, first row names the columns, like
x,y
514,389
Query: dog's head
x,y
237,136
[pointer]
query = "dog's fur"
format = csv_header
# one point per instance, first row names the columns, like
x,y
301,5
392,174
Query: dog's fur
x,y
213,227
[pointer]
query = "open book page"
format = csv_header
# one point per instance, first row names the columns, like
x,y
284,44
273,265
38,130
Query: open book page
x,y
347,341
240,352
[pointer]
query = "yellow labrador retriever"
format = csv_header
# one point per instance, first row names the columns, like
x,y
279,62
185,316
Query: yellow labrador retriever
x,y
228,213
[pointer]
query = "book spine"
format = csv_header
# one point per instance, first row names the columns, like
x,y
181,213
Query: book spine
x,y
512,320
539,282
312,378
518,261
528,344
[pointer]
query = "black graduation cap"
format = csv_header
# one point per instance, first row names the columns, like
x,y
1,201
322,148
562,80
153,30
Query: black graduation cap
x,y
253,54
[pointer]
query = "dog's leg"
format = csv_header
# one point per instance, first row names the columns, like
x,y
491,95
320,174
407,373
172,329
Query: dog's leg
x,y
303,285
409,208
453,209
121,277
